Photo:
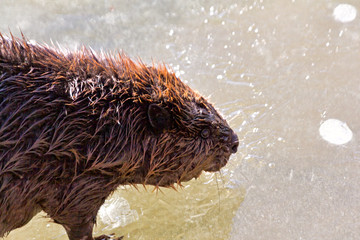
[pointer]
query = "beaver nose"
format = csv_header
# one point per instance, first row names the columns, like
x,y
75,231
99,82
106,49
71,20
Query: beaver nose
x,y
234,142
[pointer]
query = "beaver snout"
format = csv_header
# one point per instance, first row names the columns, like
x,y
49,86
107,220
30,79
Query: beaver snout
x,y
230,140
234,142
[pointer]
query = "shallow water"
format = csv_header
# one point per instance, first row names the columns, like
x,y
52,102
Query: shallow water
x,y
277,70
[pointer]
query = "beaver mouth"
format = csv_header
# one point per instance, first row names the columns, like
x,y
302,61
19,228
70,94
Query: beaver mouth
x,y
218,160
217,163
212,163
187,171
168,179
184,175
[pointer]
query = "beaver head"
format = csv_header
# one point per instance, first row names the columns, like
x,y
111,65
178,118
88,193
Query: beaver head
x,y
179,133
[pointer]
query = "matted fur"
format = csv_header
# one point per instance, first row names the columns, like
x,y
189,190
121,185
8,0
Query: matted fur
x,y
74,126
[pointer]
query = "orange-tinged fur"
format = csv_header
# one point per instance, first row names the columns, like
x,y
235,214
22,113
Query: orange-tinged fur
x,y
74,126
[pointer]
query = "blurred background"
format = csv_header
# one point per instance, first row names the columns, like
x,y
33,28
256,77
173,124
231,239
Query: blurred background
x,y
284,73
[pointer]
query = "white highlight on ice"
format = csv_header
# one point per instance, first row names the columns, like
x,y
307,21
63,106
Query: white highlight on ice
x,y
335,131
344,13
116,212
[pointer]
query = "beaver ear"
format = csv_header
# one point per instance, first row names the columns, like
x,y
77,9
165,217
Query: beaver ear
x,y
159,117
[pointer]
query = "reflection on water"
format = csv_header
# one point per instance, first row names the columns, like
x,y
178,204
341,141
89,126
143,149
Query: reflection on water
x,y
278,71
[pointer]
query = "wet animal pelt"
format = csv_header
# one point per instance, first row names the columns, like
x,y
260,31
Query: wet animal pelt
x,y
76,125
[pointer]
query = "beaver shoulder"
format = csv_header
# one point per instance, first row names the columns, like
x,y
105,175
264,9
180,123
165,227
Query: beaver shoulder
x,y
75,126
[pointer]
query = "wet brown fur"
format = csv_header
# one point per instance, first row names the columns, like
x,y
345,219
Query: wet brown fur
x,y
74,126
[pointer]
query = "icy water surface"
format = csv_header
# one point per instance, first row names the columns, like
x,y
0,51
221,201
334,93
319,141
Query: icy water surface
x,y
285,73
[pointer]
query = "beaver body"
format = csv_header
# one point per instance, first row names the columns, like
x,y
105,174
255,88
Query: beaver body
x,y
75,126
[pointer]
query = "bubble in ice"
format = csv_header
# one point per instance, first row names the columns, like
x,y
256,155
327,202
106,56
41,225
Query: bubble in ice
x,y
344,13
335,131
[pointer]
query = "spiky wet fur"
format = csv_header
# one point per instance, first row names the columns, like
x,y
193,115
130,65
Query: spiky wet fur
x,y
74,126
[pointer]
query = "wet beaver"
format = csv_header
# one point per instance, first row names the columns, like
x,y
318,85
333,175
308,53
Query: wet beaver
x,y
75,126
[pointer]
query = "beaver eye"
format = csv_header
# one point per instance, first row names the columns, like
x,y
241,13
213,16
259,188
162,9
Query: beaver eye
x,y
205,133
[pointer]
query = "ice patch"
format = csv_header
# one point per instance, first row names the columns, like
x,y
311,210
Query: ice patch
x,y
116,212
335,131
344,13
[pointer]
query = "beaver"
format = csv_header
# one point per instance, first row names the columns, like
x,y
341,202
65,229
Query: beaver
x,y
76,125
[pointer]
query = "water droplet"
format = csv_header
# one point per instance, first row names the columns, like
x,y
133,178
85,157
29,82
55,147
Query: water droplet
x,y
32,41
291,175
211,10
254,115
179,73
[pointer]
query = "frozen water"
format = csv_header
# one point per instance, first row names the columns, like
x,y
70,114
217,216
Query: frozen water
x,y
344,13
116,212
335,131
